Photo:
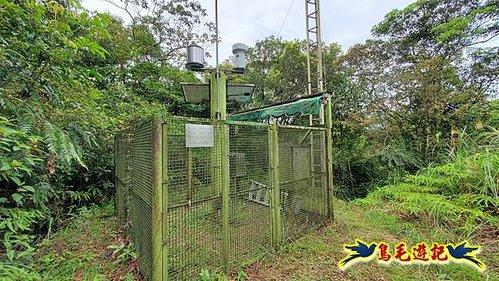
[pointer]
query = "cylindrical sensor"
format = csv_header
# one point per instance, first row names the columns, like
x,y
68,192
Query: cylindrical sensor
x,y
239,50
195,58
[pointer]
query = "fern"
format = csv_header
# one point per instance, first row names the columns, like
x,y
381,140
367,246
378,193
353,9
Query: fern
x,y
59,143
65,143
50,138
463,192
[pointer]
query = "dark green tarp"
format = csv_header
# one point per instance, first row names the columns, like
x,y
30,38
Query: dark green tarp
x,y
303,106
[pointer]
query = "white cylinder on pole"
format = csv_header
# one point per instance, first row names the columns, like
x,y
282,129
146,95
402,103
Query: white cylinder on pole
x,y
239,50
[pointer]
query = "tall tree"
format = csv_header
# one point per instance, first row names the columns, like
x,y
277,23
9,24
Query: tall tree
x,y
169,26
426,69
278,68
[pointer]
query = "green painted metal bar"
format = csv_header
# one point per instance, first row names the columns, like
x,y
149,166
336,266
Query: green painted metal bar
x,y
213,115
225,192
301,127
164,207
117,182
312,160
128,180
276,190
247,123
218,111
189,172
224,170
157,196
270,138
215,150
222,99
188,119
329,157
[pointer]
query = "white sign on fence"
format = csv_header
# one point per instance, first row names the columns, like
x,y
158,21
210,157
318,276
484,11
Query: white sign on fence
x,y
198,135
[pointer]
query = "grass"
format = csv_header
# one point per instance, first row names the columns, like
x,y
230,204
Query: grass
x,y
316,255
80,250
90,247
195,236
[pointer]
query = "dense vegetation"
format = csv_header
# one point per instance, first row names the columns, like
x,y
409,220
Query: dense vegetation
x,y
415,120
69,81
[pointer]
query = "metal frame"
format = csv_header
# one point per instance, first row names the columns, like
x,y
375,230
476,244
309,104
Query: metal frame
x,y
163,188
161,183
275,199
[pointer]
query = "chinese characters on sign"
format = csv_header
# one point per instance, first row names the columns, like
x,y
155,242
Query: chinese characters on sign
x,y
420,253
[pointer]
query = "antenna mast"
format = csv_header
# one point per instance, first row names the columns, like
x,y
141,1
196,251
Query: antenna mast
x,y
314,43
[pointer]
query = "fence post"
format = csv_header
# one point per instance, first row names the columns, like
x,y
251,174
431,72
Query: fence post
x,y
164,207
329,157
117,185
157,196
275,201
189,173
128,180
225,191
121,155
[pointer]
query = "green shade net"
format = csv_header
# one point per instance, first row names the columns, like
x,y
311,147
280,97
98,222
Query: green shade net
x,y
303,106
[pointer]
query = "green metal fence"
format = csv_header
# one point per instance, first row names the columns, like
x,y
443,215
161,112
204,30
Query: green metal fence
x,y
222,204
303,179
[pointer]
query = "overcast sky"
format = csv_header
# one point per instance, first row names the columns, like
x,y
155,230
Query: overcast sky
x,y
246,21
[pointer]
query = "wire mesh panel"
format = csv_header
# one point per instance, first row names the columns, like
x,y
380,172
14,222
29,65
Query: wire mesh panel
x,y
201,225
140,202
122,175
250,191
302,180
194,203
